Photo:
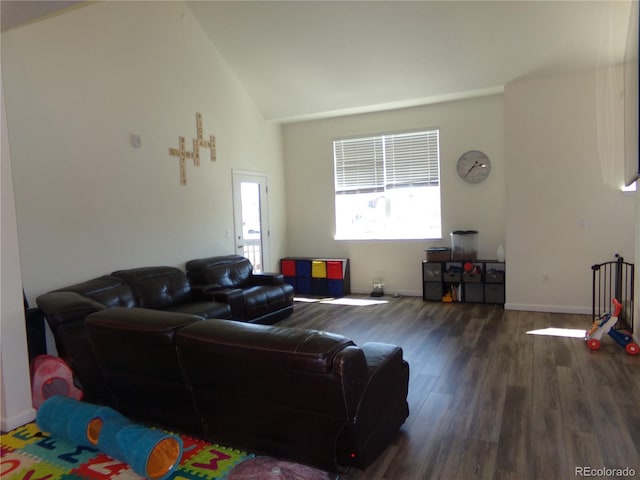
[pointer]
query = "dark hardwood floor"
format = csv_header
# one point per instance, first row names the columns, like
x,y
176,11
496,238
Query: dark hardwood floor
x,y
488,400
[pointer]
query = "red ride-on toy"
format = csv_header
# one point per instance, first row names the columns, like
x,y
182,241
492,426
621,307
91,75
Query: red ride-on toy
x,y
604,324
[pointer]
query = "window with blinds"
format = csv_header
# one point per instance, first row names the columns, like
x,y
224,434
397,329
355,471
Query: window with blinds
x,y
388,186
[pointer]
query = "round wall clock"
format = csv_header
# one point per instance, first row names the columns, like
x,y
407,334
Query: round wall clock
x,y
473,166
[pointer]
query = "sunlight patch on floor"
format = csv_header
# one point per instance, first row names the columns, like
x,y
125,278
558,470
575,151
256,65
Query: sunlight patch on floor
x,y
355,302
559,332
307,299
352,302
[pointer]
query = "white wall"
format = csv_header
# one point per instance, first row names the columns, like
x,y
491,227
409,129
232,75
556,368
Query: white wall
x,y
88,203
15,402
474,124
636,314
636,318
553,197
565,211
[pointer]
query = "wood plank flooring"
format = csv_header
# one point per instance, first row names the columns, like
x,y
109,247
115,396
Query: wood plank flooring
x,y
489,401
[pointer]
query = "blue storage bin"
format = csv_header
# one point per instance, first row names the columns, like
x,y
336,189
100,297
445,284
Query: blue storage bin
x,y
303,285
336,288
319,286
303,268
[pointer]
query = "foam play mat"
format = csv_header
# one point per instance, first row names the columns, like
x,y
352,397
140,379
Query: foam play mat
x,y
29,453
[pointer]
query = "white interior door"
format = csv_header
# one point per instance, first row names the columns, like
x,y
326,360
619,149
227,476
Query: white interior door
x,y
251,227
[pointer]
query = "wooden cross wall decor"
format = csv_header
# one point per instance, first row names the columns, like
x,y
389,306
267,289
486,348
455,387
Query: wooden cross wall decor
x,y
198,142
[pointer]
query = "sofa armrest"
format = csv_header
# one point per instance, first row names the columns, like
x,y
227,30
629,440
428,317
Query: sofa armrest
x,y
351,366
65,313
266,279
231,296
234,297
64,307
388,379
382,407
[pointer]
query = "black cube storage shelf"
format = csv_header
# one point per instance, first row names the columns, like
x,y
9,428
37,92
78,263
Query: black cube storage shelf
x,y
482,282
326,277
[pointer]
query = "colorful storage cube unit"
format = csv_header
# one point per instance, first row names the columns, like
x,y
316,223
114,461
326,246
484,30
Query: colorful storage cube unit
x,y
317,276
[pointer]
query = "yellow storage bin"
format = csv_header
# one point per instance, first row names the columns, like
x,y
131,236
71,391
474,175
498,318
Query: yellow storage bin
x,y
319,269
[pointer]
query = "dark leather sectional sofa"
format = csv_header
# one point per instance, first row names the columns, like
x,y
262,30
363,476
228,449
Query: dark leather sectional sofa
x,y
162,347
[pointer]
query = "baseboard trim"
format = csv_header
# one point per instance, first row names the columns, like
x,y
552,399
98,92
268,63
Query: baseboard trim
x,y
15,421
548,308
402,293
524,307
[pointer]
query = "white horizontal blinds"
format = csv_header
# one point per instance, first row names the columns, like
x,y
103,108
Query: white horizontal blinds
x,y
411,160
373,164
359,165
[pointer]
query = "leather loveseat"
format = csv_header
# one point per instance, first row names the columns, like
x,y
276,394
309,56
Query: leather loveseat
x,y
159,288
304,395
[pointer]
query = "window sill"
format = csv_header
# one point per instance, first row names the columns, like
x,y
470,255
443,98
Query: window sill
x,y
384,239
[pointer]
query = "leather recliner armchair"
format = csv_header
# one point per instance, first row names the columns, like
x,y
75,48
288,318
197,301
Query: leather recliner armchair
x,y
135,349
254,297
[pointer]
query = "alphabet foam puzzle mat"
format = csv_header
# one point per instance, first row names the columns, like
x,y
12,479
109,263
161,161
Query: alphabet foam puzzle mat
x,y
27,453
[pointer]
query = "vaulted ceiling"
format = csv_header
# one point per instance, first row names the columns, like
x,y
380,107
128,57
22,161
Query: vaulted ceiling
x,y
308,59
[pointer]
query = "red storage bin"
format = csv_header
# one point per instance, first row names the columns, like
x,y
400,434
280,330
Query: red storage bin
x,y
288,268
334,270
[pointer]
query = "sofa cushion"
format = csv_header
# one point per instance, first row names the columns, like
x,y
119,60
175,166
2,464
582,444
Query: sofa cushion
x,y
227,271
157,287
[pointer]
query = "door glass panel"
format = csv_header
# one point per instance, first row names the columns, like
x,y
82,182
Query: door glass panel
x,y
251,231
